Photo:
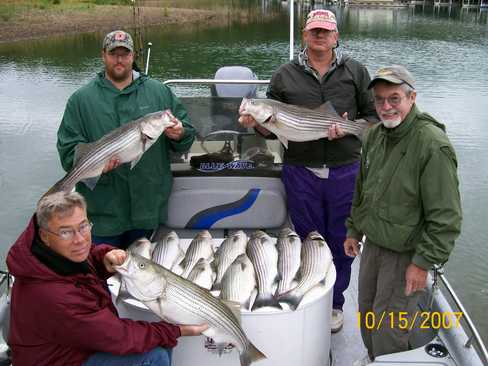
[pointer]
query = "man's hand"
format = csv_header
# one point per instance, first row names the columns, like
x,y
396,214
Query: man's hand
x,y
335,132
351,247
247,120
113,163
416,279
114,258
175,132
192,330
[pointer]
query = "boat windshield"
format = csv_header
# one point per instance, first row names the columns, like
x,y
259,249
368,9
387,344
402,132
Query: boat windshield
x,y
221,139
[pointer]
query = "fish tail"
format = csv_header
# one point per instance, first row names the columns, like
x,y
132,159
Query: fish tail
x,y
57,187
291,298
252,354
263,300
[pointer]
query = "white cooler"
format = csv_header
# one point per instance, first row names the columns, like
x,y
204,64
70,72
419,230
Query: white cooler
x,y
287,338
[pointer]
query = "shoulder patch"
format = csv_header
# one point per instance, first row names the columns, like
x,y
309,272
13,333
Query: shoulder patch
x,y
449,152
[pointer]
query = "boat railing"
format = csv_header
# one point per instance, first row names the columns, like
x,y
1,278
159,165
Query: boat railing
x,y
438,274
215,81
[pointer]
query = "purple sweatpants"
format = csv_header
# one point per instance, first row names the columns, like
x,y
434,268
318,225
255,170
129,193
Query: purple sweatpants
x,y
323,205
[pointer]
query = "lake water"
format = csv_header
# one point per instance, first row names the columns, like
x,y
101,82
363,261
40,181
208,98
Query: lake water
x,y
446,50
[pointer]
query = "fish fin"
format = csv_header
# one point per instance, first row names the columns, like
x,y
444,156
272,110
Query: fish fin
x,y
327,107
252,354
91,182
135,161
291,298
283,140
81,150
235,307
263,300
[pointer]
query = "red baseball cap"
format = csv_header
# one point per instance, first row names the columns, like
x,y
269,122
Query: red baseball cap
x,y
321,18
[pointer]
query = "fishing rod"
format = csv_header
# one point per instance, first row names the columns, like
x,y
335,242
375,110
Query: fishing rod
x,y
149,44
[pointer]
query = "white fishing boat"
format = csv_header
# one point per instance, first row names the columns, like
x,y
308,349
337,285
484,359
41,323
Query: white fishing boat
x,y
230,179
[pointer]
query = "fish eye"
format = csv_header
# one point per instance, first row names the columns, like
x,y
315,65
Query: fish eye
x,y
142,265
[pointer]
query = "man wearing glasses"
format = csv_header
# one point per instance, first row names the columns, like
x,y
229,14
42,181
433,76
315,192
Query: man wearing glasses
x,y
61,311
319,175
407,205
125,204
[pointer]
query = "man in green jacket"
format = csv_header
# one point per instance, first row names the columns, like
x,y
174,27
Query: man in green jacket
x,y
126,203
407,205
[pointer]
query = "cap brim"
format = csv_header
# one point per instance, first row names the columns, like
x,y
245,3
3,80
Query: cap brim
x,y
118,44
388,79
321,25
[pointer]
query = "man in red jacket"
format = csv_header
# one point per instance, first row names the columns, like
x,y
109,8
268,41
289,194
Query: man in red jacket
x,y
61,312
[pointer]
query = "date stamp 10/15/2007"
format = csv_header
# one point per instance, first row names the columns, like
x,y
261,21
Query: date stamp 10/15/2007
x,y
405,321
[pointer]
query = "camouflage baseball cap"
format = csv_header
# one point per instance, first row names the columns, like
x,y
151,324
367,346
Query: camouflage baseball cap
x,y
395,74
118,38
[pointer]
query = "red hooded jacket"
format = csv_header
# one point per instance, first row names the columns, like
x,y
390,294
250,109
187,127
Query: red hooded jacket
x,y
62,320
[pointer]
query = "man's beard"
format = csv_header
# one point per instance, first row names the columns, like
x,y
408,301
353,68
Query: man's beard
x,y
119,76
391,123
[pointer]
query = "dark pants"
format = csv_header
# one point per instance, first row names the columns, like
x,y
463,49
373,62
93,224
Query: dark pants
x,y
323,204
383,307
123,240
157,357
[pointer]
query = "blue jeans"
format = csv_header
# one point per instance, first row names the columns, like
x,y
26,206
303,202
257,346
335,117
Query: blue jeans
x,y
123,240
157,357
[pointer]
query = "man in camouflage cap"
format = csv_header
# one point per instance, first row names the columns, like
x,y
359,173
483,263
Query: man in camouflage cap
x,y
126,204
118,38
407,205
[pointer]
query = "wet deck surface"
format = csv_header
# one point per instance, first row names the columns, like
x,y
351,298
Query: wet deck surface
x,y
347,345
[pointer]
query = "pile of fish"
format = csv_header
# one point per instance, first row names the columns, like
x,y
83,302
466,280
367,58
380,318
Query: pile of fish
x,y
254,272
293,123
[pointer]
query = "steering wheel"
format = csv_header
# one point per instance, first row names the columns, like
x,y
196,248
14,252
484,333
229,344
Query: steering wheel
x,y
235,139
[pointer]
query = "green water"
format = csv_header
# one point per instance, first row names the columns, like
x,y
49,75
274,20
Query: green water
x,y
447,51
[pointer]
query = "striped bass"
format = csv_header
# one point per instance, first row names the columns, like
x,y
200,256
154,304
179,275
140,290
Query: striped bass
x,y
239,282
180,301
168,252
293,123
126,143
200,247
233,246
263,254
289,248
316,261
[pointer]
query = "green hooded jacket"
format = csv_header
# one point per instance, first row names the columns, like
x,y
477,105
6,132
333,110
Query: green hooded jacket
x,y
123,199
407,194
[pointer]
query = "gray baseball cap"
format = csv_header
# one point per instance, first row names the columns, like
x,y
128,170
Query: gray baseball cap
x,y
395,74
118,38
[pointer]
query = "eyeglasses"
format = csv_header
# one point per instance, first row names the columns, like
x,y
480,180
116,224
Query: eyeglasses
x,y
315,32
69,233
122,54
393,100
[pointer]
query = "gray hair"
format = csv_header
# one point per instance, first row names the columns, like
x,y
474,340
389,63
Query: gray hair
x,y
407,89
60,204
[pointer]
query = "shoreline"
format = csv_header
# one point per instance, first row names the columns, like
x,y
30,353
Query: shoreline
x,y
39,24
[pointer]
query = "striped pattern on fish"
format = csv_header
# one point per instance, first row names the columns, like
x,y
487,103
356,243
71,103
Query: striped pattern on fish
x,y
264,256
293,123
289,247
180,301
202,274
239,281
316,261
233,246
167,252
127,142
200,247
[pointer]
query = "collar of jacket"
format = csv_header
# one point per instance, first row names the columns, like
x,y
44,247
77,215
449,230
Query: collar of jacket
x,y
102,81
59,264
302,60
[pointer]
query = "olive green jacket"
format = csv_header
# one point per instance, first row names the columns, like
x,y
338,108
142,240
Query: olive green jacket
x,y
407,196
123,199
